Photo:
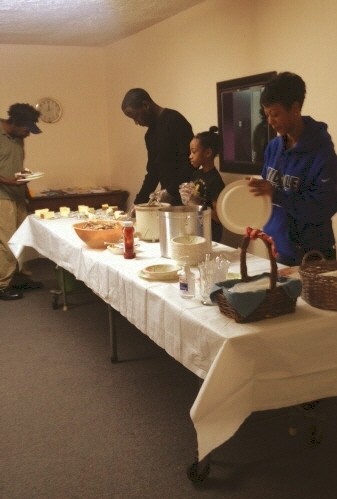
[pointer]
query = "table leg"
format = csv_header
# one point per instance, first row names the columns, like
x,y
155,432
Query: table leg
x,y
63,290
199,470
113,333
56,293
307,413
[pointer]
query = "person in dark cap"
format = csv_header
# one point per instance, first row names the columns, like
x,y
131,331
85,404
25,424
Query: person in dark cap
x,y
21,122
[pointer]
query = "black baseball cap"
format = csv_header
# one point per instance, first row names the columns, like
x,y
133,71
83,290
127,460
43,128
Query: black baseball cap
x,y
31,126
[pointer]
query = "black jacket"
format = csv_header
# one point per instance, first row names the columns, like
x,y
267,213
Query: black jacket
x,y
168,148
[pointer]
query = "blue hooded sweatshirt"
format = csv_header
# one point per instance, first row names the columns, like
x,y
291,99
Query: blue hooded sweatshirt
x,y
305,194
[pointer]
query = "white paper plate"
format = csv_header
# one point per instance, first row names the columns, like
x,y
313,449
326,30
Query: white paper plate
x,y
168,277
160,272
26,175
28,178
238,208
34,175
115,249
118,248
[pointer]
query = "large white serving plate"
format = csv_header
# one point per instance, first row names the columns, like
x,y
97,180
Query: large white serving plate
x,y
238,208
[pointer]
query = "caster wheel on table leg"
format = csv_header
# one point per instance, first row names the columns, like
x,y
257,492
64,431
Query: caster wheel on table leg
x,y
316,435
55,293
197,474
292,431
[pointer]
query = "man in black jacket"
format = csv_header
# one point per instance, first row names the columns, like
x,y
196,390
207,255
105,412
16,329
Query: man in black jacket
x,y
167,142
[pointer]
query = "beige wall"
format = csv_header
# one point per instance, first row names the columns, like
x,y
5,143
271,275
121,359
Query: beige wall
x,y
73,151
179,62
301,36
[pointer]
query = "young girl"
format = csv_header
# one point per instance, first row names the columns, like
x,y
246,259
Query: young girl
x,y
206,183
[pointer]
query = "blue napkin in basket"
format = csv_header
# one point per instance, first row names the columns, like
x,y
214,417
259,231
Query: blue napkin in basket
x,y
245,303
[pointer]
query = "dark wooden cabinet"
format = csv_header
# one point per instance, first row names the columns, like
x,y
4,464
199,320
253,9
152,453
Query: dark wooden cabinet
x,y
94,200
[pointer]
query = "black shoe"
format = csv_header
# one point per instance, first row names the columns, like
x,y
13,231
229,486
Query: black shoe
x,y
10,294
26,284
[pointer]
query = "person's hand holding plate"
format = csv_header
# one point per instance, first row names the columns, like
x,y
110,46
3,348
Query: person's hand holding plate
x,y
260,187
238,207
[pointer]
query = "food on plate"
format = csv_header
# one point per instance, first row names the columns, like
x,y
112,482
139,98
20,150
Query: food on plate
x,y
47,215
97,233
26,171
23,173
41,211
64,211
100,224
44,213
82,208
193,191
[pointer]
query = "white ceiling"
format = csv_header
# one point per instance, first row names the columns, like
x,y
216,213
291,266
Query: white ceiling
x,y
81,22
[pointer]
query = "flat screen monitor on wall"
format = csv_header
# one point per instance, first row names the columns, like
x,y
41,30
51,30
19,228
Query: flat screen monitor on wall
x,y
243,129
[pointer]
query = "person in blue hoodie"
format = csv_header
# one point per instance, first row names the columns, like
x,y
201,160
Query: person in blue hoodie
x,y
299,174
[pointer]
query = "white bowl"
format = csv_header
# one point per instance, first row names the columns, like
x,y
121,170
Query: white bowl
x,y
116,249
188,249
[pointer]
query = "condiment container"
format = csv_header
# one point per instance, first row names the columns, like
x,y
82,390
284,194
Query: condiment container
x,y
128,232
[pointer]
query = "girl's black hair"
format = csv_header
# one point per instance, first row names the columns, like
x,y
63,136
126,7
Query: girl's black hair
x,y
210,139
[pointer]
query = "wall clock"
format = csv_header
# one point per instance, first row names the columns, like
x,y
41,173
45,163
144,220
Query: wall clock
x,y
51,110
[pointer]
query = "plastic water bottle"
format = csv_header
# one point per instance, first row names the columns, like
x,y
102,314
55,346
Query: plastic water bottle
x,y
186,282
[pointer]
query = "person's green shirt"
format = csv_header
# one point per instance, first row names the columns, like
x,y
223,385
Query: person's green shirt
x,y
11,162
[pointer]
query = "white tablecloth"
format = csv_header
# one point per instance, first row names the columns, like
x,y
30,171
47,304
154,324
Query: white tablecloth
x,y
246,367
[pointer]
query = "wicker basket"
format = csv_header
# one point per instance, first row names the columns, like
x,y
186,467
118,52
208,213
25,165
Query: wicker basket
x,y
319,289
276,302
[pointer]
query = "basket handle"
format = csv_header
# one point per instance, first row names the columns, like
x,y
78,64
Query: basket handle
x,y
312,253
257,234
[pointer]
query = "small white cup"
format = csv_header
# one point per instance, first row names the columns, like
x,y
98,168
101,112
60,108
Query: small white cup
x,y
64,211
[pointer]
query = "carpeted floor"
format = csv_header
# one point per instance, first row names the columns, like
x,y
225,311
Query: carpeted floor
x,y
75,426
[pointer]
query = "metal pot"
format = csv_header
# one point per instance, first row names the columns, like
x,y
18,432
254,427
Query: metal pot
x,y
183,221
147,221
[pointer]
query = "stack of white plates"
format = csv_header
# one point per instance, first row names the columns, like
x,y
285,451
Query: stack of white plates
x,y
27,177
161,272
188,249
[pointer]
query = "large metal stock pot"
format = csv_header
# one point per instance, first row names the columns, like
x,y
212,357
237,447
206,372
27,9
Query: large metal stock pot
x,y
183,221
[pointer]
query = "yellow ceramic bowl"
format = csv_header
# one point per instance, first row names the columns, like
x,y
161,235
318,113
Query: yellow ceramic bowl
x,y
95,233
